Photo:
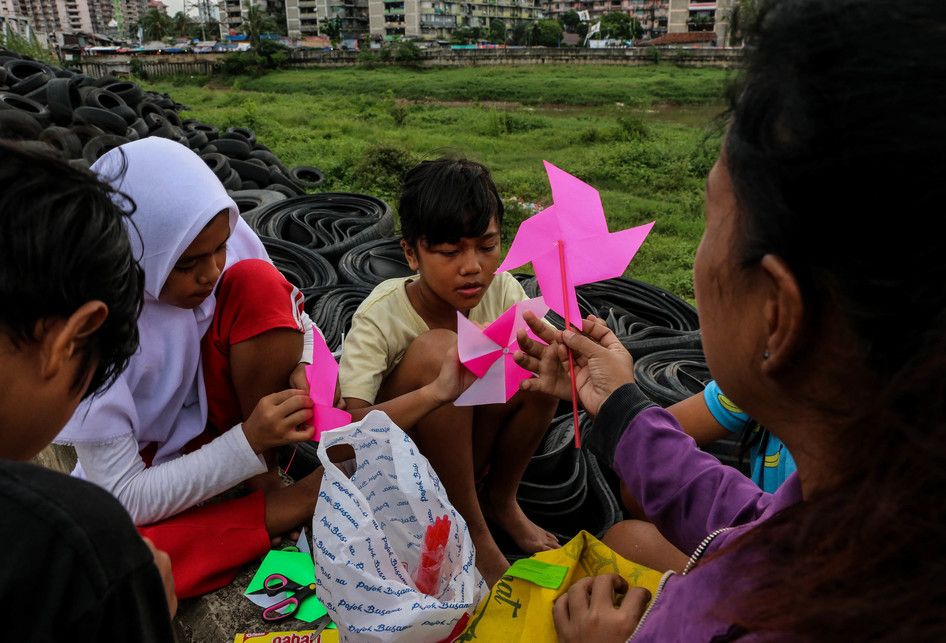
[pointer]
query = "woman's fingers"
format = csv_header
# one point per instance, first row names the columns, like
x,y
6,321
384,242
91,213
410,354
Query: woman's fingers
x,y
543,331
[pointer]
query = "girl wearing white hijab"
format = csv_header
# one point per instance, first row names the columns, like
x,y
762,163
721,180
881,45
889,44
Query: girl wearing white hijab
x,y
221,330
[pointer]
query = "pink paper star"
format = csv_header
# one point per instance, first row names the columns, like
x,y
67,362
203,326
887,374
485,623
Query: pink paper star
x,y
488,354
573,226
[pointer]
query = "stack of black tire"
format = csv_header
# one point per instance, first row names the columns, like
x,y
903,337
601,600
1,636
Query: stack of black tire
x,y
81,118
336,247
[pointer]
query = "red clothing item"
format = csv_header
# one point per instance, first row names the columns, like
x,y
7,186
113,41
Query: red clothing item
x,y
208,544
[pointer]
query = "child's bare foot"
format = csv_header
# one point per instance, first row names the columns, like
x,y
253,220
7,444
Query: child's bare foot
x,y
528,536
489,560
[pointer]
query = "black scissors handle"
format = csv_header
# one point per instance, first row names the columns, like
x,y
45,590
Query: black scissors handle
x,y
289,605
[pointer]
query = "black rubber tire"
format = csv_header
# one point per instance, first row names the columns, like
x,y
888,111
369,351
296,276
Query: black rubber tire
x,y
332,308
276,177
310,177
25,76
86,132
371,263
64,73
249,171
64,140
235,136
39,95
233,182
233,148
195,140
101,118
82,80
218,163
269,159
250,201
16,125
248,134
80,164
145,107
63,97
302,268
3,77
140,127
211,132
127,113
103,99
131,134
246,184
30,107
173,118
100,145
282,189
128,91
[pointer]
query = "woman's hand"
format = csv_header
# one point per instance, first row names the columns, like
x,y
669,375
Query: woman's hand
x,y
163,563
602,364
599,608
453,379
279,418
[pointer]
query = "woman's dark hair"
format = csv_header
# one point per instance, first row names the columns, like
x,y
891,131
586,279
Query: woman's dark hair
x,y
64,242
446,199
836,155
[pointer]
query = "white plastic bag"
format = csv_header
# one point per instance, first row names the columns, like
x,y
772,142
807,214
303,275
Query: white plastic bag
x,y
367,532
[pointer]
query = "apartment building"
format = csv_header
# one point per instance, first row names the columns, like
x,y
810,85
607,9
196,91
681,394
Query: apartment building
x,y
687,15
653,15
48,18
436,19
303,17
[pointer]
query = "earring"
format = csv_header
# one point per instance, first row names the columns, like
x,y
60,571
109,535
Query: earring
x,y
765,355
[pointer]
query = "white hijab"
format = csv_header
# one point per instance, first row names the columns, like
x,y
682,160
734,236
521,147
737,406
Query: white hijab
x,y
160,397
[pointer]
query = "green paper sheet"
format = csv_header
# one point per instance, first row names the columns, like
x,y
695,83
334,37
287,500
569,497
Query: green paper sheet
x,y
535,571
296,566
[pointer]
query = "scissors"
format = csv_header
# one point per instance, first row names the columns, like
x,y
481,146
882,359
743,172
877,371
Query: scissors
x,y
295,593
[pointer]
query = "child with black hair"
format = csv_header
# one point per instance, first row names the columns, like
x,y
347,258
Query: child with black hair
x,y
74,566
401,353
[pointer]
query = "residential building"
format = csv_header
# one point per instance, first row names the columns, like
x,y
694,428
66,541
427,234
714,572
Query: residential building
x,y
436,19
687,16
48,18
653,15
303,17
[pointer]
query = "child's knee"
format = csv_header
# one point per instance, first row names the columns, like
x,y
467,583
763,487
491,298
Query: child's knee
x,y
430,348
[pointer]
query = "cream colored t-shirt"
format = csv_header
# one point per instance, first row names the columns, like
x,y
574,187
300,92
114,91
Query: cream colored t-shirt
x,y
385,324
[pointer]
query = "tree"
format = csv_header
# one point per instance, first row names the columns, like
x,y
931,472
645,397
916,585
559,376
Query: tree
x,y
497,31
570,21
620,26
521,33
466,35
546,33
256,22
332,27
743,15
181,24
155,25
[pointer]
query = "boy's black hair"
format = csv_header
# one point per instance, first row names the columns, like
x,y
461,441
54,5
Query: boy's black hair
x,y
446,199
63,242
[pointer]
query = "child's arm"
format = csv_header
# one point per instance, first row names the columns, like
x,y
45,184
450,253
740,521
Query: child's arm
x,y
696,419
153,493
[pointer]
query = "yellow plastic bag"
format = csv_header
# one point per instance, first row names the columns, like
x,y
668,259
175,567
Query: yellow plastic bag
x,y
518,610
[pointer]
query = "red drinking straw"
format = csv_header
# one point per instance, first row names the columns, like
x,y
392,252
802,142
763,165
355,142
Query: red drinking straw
x,y
571,360
429,567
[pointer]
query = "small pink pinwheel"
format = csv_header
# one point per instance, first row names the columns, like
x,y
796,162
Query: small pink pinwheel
x,y
323,375
488,353
569,244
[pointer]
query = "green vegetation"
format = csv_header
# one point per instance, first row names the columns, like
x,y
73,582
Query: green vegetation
x,y
642,135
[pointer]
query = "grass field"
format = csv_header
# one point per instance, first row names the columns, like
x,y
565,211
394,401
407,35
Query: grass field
x,y
644,136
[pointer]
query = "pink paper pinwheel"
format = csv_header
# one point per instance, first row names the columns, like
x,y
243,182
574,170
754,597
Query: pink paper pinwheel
x,y
323,375
488,354
573,228
569,244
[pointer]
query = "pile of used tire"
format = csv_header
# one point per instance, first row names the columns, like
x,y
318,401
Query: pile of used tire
x,y
81,118
336,247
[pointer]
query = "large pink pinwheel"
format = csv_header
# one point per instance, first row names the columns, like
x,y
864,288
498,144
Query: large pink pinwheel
x,y
569,244
488,354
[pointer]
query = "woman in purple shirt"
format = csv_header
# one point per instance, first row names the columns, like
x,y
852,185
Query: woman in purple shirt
x,y
822,300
